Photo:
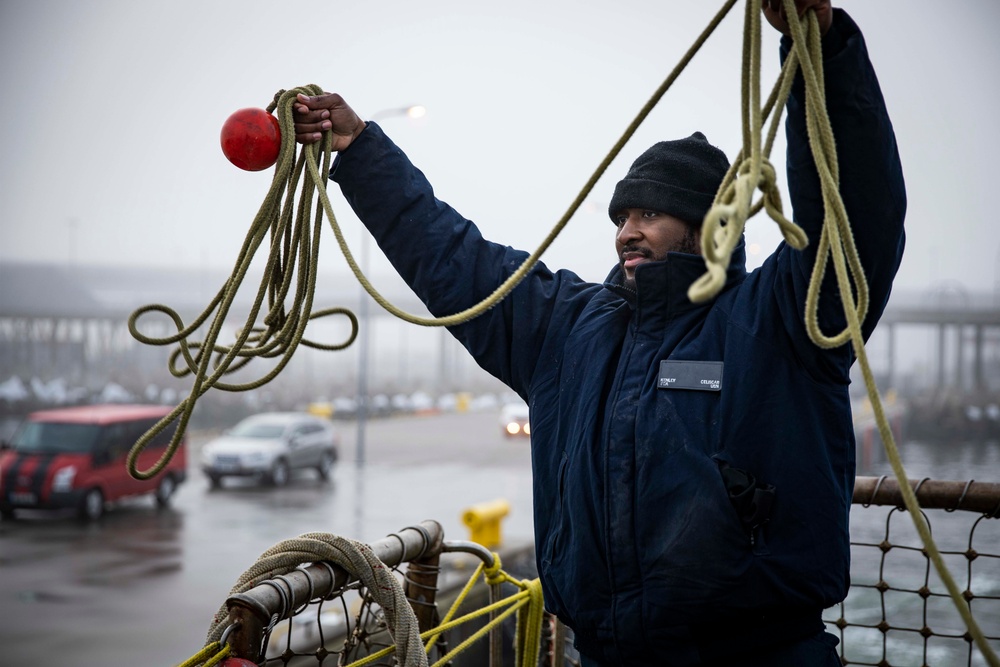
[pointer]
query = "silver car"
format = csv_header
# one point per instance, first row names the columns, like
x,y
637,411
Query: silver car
x,y
270,446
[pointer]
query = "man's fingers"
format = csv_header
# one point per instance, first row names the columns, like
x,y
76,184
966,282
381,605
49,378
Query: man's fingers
x,y
314,101
312,117
310,123
307,133
317,114
318,126
308,137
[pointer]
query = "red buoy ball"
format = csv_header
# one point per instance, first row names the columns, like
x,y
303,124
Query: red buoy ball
x,y
251,139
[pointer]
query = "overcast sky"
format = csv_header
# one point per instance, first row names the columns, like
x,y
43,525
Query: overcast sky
x,y
112,111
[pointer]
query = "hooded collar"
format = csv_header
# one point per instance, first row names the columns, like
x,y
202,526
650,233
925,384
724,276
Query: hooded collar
x,y
661,287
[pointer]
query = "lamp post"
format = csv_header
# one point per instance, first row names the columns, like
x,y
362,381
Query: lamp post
x,y
996,280
412,111
364,317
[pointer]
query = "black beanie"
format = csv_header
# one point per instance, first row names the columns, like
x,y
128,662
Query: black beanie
x,y
679,178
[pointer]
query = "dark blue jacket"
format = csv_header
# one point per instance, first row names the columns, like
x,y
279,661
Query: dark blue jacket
x,y
640,547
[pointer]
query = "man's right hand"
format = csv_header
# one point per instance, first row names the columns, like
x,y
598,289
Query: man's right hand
x,y
774,10
319,113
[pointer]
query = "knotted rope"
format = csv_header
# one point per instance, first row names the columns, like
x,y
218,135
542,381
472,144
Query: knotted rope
x,y
725,221
527,603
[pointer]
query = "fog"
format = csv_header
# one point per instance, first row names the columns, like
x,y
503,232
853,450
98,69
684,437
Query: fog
x,y
112,112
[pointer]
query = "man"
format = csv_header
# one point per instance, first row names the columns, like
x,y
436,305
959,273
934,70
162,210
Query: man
x,y
693,464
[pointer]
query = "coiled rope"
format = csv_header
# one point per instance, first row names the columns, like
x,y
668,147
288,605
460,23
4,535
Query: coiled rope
x,y
359,560
356,558
292,261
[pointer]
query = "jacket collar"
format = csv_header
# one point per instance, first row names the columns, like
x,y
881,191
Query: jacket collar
x,y
661,287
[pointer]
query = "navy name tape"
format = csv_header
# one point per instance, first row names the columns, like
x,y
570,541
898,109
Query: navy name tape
x,y
697,375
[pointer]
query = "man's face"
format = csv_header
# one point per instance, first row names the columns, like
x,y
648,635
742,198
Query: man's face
x,y
647,236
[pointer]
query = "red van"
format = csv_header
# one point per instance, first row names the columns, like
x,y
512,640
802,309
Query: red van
x,y
75,458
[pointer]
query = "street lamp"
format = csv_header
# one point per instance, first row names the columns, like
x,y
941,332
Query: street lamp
x,y
412,111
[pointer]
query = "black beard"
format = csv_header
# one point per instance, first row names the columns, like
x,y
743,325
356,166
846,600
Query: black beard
x,y
689,243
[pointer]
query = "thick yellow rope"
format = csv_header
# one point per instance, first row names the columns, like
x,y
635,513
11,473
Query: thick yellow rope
x,y
527,602
212,654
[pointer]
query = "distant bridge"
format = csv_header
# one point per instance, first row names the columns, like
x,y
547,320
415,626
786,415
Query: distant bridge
x,y
49,311
975,327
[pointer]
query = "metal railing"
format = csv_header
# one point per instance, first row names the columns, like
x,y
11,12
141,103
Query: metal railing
x,y
896,613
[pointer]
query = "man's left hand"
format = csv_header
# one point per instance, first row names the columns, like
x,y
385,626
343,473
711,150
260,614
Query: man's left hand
x,y
774,11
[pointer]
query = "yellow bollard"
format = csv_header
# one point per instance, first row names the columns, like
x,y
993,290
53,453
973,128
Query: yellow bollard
x,y
483,521
321,409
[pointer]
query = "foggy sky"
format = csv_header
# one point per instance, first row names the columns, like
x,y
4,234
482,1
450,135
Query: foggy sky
x,y
112,111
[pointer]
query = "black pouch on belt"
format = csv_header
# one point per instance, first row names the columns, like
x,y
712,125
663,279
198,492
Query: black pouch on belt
x,y
751,499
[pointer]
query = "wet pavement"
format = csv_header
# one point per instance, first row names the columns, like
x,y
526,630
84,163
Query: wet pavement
x,y
141,585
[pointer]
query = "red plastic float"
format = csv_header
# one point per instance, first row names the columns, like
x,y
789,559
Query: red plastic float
x,y
237,662
251,139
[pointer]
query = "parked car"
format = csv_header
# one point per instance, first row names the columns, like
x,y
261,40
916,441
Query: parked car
x,y
75,458
514,420
270,446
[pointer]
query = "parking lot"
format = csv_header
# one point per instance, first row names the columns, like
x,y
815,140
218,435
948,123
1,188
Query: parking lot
x,y
140,586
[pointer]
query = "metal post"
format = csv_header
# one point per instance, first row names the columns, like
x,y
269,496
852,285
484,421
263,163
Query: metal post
x,y
960,358
977,369
941,359
363,335
421,584
892,356
364,320
443,360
